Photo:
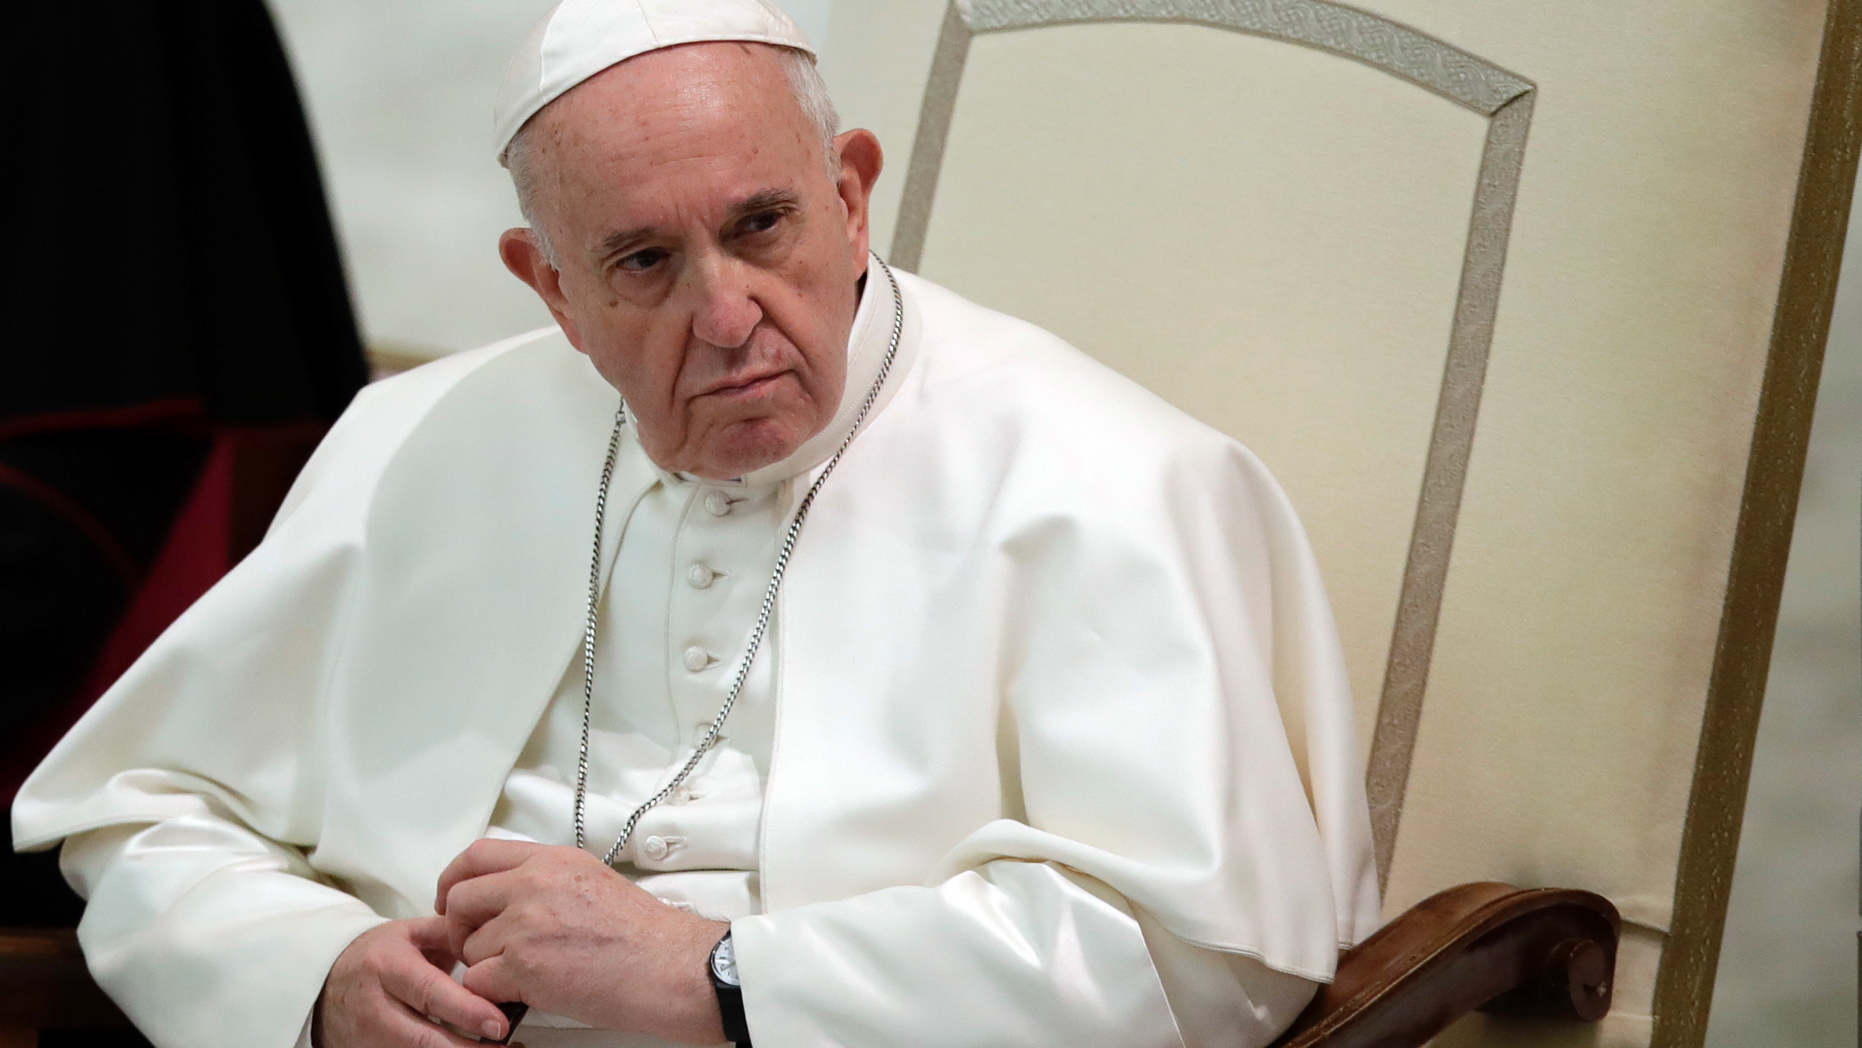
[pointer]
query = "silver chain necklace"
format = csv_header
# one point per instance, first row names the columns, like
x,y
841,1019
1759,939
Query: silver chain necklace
x,y
762,620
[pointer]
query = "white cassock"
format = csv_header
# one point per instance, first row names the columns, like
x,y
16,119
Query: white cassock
x,y
1051,742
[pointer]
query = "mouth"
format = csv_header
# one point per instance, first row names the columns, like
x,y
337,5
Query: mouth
x,y
744,389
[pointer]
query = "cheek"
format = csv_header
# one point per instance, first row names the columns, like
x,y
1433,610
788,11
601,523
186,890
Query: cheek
x,y
830,322
637,356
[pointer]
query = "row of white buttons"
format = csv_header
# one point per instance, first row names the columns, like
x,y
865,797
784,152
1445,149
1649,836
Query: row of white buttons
x,y
701,576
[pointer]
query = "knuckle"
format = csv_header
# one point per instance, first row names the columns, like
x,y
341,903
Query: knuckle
x,y
426,994
379,961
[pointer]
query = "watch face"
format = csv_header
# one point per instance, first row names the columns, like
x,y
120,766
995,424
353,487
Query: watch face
x,y
724,962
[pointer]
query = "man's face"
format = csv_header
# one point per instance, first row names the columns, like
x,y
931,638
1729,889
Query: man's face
x,y
708,258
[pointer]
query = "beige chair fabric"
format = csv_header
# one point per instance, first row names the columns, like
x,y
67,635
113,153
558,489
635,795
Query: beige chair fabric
x,y
1290,217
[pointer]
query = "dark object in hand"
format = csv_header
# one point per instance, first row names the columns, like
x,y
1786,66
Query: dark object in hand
x,y
514,1013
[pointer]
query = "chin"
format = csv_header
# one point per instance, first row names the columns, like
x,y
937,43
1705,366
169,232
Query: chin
x,y
760,444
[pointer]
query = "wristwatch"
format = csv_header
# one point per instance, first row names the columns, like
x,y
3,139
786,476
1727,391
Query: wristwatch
x,y
730,992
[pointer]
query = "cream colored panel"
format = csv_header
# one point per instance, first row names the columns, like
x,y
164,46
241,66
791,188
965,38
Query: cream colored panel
x,y
1596,526
875,63
1217,216
1580,617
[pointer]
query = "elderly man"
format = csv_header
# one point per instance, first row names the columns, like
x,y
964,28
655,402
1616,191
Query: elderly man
x,y
959,690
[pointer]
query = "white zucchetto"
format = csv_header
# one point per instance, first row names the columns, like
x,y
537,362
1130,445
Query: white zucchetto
x,y
583,37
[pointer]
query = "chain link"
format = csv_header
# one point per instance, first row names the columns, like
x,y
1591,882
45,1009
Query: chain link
x,y
588,626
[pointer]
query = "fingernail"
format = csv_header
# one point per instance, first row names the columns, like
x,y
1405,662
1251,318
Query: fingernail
x,y
492,1029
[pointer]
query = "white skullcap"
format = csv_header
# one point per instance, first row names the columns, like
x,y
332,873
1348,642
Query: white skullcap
x,y
582,37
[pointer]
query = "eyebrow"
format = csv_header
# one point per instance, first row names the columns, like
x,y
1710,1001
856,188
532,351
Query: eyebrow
x,y
616,244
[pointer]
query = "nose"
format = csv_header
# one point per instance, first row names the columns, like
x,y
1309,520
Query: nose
x,y
726,312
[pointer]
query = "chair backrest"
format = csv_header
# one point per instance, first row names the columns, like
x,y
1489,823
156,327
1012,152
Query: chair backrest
x,y
1524,304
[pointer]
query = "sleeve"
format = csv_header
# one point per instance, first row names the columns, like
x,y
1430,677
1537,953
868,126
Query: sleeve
x,y
186,798
172,903
1009,954
187,820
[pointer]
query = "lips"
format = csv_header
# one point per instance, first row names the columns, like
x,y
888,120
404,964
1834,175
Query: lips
x,y
749,388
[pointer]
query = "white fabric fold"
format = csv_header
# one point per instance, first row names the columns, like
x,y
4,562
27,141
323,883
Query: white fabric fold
x,y
196,909
1011,954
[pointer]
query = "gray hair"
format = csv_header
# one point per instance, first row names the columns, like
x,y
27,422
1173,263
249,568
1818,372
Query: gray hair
x,y
811,94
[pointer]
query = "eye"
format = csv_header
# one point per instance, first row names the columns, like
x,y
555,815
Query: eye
x,y
643,260
762,222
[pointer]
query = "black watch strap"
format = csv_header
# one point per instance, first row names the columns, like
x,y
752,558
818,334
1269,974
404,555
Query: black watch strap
x,y
730,994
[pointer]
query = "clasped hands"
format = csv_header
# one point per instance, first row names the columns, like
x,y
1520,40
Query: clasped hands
x,y
551,927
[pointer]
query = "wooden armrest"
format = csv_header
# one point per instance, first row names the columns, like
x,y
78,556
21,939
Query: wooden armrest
x,y
45,985
1486,946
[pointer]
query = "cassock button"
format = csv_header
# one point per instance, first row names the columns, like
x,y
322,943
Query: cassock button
x,y
717,503
700,576
654,848
696,658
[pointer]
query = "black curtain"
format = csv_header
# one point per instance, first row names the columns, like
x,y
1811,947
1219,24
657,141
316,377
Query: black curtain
x,y
170,276
170,238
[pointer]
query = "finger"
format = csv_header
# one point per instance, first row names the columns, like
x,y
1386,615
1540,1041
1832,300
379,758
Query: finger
x,y
406,1027
495,979
433,937
428,991
487,940
480,858
482,898
442,940
457,932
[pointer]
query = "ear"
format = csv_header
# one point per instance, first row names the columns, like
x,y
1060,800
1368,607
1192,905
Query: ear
x,y
524,257
860,163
